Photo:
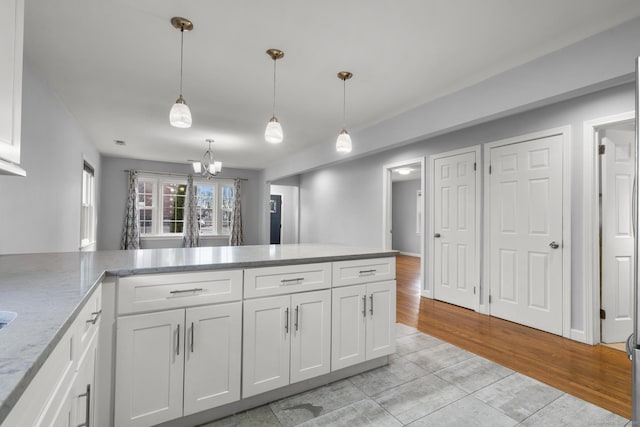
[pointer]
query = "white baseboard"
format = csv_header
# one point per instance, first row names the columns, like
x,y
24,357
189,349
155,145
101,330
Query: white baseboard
x,y
580,336
410,254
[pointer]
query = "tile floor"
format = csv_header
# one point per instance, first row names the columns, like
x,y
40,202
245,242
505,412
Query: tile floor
x,y
429,382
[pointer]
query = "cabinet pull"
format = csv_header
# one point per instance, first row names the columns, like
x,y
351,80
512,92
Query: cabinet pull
x,y
286,320
94,317
87,408
371,305
368,272
297,311
297,280
191,337
178,341
364,303
181,291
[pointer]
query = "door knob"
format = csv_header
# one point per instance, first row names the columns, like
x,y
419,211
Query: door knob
x,y
436,235
554,245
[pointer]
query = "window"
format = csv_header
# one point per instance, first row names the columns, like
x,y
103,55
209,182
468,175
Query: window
x,y
87,214
162,204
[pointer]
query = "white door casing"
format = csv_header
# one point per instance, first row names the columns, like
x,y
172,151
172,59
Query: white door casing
x,y
454,237
525,212
617,175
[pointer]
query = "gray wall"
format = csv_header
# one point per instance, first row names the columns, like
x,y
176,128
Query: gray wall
x,y
41,212
114,195
343,203
403,216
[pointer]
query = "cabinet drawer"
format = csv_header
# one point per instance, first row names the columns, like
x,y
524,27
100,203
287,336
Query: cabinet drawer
x,y
151,292
88,320
363,271
259,282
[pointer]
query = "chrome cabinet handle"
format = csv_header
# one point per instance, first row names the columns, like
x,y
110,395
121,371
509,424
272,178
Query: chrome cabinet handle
x,y
185,290
87,407
367,272
297,312
554,245
436,235
191,337
178,341
95,315
286,320
371,308
297,280
364,302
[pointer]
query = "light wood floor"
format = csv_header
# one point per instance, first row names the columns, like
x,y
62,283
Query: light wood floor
x,y
597,374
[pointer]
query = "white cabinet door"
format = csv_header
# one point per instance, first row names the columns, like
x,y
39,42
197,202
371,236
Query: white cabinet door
x,y
149,368
212,365
381,315
265,358
310,335
84,386
348,322
11,41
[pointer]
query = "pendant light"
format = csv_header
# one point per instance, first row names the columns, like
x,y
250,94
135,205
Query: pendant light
x,y
273,132
343,144
208,167
180,114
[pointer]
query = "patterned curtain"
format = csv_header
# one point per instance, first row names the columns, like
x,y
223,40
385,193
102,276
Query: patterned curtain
x,y
131,229
236,237
191,237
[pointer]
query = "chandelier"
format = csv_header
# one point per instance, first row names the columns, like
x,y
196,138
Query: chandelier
x,y
208,167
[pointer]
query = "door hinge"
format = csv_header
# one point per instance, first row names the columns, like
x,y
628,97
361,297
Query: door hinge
x,y
603,314
489,298
474,290
489,169
601,149
474,165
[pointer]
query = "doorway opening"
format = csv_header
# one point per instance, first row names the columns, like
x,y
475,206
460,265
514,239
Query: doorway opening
x,y
284,214
608,261
404,208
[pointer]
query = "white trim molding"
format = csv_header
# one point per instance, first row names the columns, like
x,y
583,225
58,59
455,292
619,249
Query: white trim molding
x,y
565,132
591,210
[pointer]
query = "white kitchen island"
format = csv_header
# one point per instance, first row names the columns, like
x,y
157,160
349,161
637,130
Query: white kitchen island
x,y
183,336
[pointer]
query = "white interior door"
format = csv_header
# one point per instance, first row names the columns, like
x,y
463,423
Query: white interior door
x,y
617,166
454,244
525,210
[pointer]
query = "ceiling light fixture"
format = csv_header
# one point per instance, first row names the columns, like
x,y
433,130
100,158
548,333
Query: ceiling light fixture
x,y
343,144
208,167
404,171
273,132
180,114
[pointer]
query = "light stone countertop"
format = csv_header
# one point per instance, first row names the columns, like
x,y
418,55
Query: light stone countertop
x,y
48,290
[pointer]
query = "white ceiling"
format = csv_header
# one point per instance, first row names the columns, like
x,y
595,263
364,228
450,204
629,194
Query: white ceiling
x,y
115,63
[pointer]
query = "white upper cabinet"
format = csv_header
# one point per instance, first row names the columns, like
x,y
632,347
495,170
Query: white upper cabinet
x,y
11,46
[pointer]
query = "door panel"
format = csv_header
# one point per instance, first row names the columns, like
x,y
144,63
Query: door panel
x,y
617,174
311,335
455,223
525,210
348,323
266,338
149,368
212,366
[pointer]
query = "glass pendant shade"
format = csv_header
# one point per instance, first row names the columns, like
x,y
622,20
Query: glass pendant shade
x,y
343,144
180,114
273,133
197,167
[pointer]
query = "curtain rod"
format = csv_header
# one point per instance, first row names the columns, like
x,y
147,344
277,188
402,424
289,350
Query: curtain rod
x,y
179,174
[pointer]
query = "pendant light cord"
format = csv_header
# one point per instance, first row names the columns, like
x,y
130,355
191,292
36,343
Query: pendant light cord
x,y
181,55
274,87
344,103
